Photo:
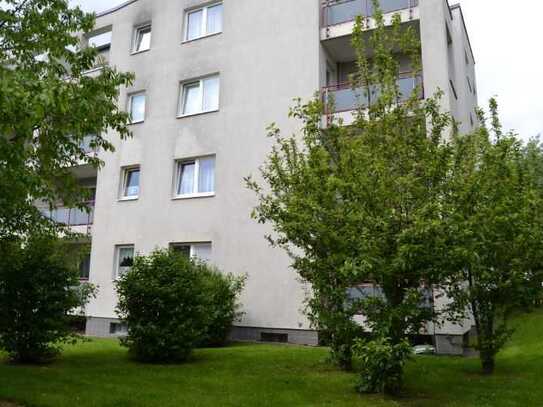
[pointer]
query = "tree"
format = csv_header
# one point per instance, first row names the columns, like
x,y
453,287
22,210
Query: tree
x,y
39,292
48,105
494,218
361,203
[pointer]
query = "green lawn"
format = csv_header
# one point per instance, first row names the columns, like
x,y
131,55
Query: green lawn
x,y
98,373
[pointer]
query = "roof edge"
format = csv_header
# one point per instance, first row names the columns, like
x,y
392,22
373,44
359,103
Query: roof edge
x,y
114,9
459,7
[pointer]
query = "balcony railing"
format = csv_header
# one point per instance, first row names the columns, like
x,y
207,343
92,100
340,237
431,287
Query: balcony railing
x,y
342,11
344,97
70,216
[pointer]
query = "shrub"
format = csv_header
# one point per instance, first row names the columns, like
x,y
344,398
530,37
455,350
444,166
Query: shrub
x,y
222,307
172,304
380,364
39,290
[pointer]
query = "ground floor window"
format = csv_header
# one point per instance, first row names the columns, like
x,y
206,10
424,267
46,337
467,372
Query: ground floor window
x,y
84,267
201,251
124,259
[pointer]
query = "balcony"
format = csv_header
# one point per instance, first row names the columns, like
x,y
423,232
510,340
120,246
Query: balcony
x,y
78,220
338,19
342,100
343,11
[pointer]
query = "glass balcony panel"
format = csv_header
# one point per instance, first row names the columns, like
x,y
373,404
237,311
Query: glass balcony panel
x,y
61,215
70,216
79,217
346,98
344,11
406,85
347,10
389,6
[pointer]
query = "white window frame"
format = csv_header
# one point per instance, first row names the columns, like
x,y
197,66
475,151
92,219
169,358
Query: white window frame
x,y
137,31
196,160
200,81
124,180
131,97
203,28
117,258
191,246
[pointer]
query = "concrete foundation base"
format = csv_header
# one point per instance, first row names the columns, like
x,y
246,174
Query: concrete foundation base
x,y
293,336
449,345
111,327
104,327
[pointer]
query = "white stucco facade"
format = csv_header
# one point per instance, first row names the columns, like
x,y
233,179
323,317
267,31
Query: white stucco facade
x,y
266,54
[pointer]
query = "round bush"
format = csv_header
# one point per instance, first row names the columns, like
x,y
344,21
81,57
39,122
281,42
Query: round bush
x,y
172,304
163,302
39,290
381,364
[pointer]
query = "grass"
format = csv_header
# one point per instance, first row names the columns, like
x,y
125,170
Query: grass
x,y
98,373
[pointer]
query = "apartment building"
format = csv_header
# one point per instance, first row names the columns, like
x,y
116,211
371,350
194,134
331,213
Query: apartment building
x,y
210,76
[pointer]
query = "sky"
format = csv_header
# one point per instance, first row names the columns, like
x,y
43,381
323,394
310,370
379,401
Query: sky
x,y
506,39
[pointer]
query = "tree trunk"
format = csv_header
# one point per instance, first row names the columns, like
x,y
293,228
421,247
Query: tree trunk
x,y
342,350
489,363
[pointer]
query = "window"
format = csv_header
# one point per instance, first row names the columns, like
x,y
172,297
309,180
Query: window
x,y
84,267
203,22
201,251
453,89
136,107
142,39
273,337
200,96
124,259
100,41
116,328
449,36
195,177
131,183
469,84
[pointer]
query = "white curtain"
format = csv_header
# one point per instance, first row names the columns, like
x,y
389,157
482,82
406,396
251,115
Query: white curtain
x,y
202,251
194,28
186,179
214,19
211,93
206,177
191,101
137,108
133,183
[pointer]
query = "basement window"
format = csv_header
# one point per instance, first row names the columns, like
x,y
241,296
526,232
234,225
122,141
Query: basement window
x,y
200,251
273,337
117,328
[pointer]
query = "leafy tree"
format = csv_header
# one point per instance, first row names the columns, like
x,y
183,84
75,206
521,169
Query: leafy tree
x,y
495,224
48,105
361,203
39,292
